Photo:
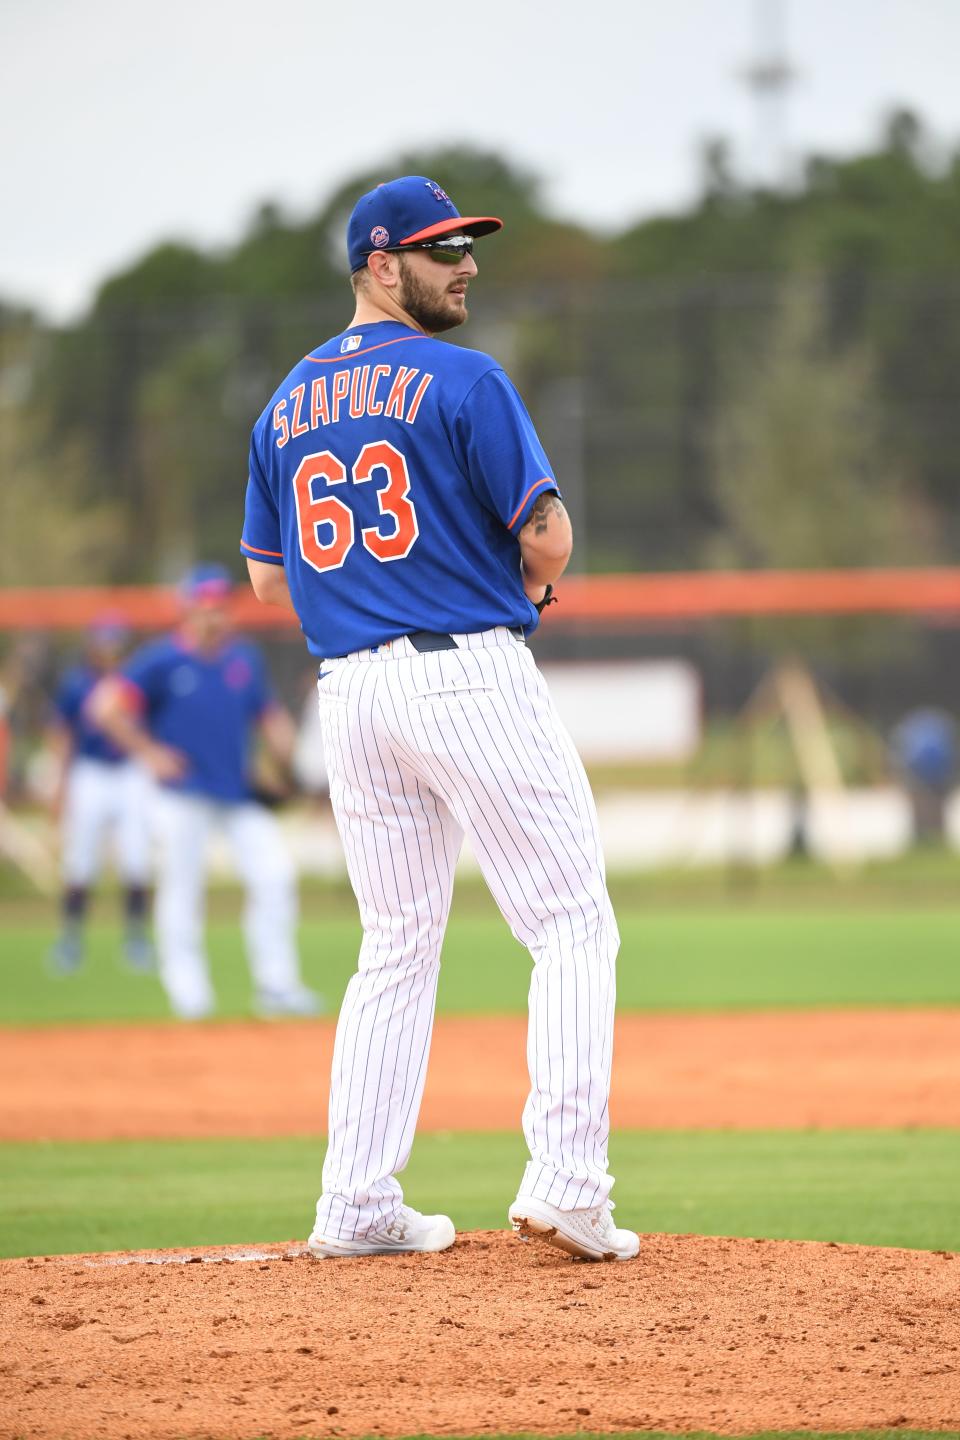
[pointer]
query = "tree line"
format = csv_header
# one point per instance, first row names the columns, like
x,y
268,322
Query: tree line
x,y
768,378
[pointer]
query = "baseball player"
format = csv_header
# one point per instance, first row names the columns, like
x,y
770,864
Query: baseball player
x,y
400,501
189,707
99,794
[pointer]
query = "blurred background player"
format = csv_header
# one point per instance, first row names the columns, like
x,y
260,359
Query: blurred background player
x,y
191,706
100,794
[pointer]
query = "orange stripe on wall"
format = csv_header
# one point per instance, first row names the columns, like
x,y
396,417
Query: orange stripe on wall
x,y
594,601
700,595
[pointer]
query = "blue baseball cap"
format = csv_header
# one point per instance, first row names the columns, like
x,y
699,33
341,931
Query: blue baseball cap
x,y
109,629
205,583
407,211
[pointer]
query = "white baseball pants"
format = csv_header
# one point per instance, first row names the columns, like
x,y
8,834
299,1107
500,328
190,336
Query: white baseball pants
x,y
102,802
422,748
184,824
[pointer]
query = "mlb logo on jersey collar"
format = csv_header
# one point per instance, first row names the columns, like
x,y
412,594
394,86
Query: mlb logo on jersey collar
x,y
350,342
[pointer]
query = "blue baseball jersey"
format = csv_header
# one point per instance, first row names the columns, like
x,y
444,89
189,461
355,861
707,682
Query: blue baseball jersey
x,y
391,474
206,706
70,706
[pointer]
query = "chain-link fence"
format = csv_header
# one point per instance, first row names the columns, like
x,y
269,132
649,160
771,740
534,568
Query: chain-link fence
x,y
714,422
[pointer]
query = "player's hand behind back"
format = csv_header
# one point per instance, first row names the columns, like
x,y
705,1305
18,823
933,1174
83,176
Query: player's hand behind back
x,y
164,762
536,594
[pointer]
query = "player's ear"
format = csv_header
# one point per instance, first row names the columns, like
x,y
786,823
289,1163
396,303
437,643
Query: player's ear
x,y
384,267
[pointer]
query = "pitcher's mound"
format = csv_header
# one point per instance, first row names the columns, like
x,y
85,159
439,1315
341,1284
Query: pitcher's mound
x,y
493,1336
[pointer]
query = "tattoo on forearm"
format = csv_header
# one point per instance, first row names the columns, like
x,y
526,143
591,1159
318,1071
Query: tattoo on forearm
x,y
545,506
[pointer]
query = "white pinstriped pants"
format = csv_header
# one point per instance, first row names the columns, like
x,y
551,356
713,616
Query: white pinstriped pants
x,y
184,822
102,798
420,750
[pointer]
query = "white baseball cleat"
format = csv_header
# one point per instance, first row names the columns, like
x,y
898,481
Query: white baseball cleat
x,y
66,956
408,1230
196,1008
138,953
586,1234
300,1000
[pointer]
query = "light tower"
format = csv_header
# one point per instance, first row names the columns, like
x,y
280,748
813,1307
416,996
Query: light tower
x,y
769,76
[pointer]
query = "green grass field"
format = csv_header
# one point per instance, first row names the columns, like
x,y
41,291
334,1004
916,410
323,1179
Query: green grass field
x,y
711,1435
876,1188
707,958
705,1434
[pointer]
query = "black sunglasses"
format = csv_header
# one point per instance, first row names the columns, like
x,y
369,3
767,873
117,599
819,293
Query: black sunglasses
x,y
448,249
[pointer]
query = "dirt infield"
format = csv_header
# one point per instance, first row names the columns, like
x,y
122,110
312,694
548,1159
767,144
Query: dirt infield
x,y
495,1336
725,1335
766,1070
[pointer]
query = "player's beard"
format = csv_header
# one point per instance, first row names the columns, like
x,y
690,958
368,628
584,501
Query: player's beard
x,y
434,310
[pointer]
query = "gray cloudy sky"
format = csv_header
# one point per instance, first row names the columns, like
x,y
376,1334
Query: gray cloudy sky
x,y
125,123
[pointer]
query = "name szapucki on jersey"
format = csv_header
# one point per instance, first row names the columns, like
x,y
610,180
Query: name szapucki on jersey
x,y
391,474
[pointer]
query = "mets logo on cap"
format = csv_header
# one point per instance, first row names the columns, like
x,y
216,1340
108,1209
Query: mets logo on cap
x,y
380,236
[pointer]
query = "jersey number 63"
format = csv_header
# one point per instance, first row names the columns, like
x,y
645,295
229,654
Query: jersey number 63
x,y
326,515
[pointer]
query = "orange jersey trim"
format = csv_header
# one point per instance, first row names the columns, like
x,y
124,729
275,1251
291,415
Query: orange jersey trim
x,y
339,359
131,694
247,546
519,510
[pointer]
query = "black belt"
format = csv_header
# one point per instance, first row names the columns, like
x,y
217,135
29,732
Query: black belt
x,y
423,641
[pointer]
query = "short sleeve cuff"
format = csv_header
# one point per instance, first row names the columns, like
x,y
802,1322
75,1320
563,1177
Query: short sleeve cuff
x,y
522,513
131,692
255,552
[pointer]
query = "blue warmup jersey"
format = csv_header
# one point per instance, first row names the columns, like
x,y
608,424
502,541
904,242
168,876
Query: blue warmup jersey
x,y
205,705
70,705
391,474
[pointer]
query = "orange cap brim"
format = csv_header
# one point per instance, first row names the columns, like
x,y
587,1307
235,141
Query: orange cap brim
x,y
460,225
